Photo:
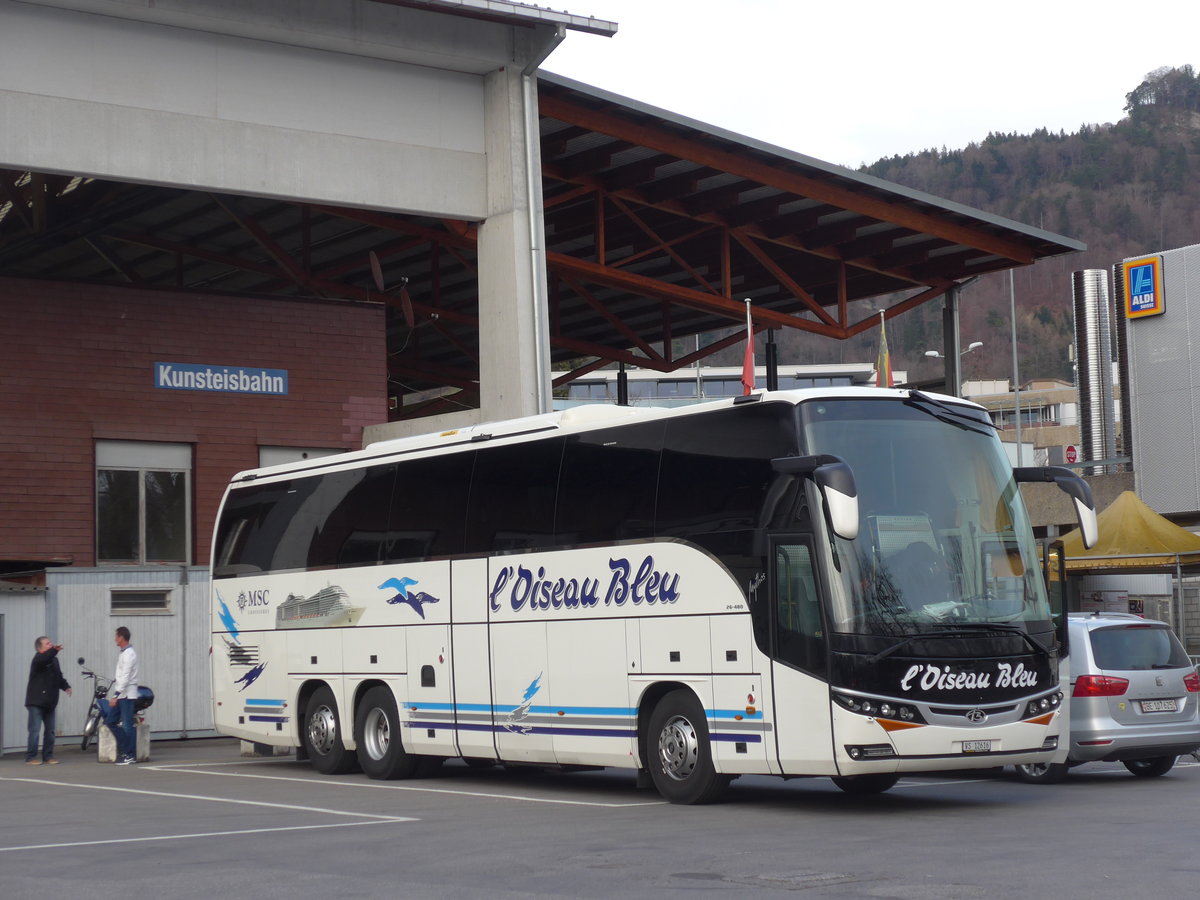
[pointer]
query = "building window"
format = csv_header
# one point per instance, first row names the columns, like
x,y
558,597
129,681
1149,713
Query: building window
x,y
143,502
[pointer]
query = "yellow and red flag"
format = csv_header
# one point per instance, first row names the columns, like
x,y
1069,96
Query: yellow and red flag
x,y
883,366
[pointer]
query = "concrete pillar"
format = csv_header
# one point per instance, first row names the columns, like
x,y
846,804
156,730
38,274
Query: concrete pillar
x,y
514,363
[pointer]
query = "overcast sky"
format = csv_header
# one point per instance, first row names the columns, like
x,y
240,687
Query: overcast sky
x,y
851,82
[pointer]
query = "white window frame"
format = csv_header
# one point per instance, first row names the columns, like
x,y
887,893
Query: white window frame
x,y
143,457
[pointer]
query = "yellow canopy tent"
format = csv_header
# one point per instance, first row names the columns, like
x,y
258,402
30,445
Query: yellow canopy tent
x,y
1133,538
1136,539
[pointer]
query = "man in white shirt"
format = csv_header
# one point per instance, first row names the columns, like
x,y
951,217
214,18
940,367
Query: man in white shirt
x,y
121,703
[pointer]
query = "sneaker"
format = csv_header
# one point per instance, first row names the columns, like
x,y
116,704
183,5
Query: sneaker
x,y
33,762
51,762
125,761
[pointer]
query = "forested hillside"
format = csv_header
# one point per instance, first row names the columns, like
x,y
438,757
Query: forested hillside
x,y
1124,189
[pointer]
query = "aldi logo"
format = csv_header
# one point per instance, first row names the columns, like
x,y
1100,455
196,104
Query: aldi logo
x,y
1143,288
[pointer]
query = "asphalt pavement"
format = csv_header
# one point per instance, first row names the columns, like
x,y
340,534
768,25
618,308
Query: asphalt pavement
x,y
200,821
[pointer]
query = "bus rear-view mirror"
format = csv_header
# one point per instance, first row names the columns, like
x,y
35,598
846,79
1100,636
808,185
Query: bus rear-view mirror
x,y
1076,488
835,478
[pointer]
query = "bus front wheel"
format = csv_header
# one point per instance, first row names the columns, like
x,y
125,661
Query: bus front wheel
x,y
679,753
377,734
322,735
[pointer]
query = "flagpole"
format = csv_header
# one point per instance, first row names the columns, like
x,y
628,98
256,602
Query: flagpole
x,y
748,359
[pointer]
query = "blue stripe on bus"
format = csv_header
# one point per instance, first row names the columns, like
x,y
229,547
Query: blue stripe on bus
x,y
250,702
575,732
737,738
732,714
267,718
536,710
529,729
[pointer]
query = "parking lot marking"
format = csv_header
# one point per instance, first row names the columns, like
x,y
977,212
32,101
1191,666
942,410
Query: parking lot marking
x,y
287,806
199,769
199,834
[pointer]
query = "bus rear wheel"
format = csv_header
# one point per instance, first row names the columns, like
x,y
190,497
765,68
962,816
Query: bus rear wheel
x,y
322,735
377,734
679,752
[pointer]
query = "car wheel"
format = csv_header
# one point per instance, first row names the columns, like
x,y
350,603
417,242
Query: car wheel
x,y
679,751
1042,773
1150,768
866,784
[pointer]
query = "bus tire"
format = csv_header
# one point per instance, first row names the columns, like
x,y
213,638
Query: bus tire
x,y
866,784
679,754
322,735
377,734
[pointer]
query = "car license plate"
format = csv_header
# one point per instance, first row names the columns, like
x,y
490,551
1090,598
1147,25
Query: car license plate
x,y
977,746
1159,705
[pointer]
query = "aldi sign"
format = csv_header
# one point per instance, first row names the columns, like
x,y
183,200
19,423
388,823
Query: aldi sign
x,y
1143,288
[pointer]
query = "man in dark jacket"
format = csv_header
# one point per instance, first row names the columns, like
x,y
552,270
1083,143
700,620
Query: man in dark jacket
x,y
41,699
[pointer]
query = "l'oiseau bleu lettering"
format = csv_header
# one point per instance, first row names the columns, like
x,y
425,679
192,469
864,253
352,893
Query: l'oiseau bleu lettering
x,y
526,590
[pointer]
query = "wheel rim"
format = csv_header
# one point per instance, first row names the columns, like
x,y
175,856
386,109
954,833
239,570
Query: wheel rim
x,y
1036,769
678,748
322,729
377,733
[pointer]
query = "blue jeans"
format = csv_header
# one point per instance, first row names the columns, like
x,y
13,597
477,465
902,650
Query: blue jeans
x,y
119,719
40,719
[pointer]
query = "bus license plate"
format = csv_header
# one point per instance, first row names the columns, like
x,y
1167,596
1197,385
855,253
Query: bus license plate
x,y
1159,705
977,746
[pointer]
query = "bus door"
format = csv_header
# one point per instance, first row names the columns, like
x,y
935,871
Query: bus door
x,y
472,681
429,705
798,654
521,691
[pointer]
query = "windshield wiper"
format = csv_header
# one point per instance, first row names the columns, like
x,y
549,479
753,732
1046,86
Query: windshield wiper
x,y
976,626
943,412
1010,629
908,639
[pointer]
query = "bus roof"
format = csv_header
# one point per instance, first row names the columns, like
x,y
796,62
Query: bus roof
x,y
575,419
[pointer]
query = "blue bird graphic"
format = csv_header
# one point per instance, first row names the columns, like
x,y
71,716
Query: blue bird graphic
x,y
401,585
516,719
251,676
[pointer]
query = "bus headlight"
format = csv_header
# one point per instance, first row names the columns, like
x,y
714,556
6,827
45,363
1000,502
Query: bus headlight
x,y
883,709
1043,705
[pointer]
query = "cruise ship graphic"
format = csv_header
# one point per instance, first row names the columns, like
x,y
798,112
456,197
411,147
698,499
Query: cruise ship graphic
x,y
326,607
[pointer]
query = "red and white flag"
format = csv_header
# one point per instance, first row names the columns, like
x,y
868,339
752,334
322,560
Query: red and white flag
x,y
748,359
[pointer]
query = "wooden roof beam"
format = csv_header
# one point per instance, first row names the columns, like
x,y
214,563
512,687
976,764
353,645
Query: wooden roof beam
x,y
785,179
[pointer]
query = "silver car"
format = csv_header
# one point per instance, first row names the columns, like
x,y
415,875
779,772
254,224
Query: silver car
x,y
1135,697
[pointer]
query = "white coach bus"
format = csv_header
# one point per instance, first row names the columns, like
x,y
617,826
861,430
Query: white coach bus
x,y
837,582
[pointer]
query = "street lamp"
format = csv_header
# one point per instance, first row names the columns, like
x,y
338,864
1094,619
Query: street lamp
x,y
934,354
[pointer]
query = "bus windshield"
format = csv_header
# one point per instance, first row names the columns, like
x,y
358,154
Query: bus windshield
x,y
944,539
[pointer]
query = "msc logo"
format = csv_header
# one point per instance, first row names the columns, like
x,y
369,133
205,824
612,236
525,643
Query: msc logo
x,y
253,598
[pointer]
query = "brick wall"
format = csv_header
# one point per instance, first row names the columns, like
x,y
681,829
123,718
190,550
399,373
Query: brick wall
x,y
77,365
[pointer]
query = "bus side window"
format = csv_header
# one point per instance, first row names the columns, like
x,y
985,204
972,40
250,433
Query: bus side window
x,y
513,494
799,634
608,485
353,530
429,507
